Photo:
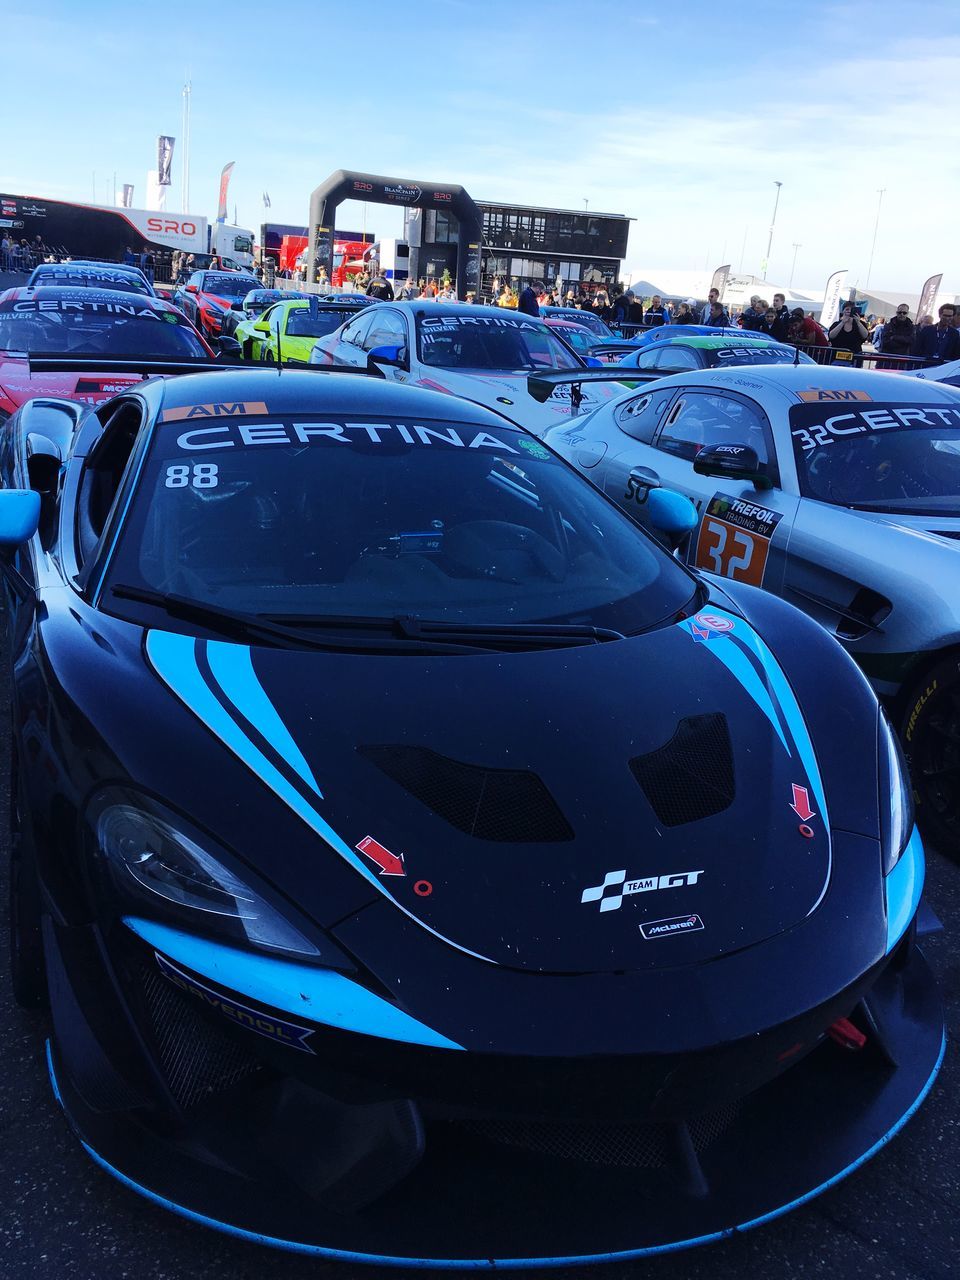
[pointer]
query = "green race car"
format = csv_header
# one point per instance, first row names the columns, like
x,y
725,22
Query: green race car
x,y
289,329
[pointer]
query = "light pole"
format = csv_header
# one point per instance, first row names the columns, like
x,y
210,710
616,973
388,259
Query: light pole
x,y
773,223
586,202
876,224
794,267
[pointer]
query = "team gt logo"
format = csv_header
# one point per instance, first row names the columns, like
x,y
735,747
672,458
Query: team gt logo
x,y
616,887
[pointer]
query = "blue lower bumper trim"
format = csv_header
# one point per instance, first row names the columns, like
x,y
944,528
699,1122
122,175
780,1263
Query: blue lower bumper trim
x,y
831,1182
903,888
477,1264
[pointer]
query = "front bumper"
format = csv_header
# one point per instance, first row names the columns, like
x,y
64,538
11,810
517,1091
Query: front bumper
x,y
237,1129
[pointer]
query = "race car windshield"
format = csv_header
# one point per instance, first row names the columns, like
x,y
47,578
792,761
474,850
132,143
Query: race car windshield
x,y
94,279
304,519
96,328
304,323
228,286
753,353
879,457
506,345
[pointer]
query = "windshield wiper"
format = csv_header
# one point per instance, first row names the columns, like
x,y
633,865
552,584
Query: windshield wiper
x,y
239,625
510,635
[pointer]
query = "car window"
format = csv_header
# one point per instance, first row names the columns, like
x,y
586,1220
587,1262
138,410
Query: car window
x,y
699,419
676,359
640,416
648,359
102,476
354,332
87,322
442,520
507,344
388,329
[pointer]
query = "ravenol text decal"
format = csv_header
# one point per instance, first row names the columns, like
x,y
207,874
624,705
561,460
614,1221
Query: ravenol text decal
x,y
264,1024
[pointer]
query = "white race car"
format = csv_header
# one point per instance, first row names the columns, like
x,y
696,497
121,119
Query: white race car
x,y
949,372
483,354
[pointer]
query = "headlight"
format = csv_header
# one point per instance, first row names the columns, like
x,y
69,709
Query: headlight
x,y
149,860
215,309
896,797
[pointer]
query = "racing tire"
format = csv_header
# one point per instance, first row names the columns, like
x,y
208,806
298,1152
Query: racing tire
x,y
930,733
28,970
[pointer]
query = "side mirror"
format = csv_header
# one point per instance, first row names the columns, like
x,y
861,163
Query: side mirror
x,y
732,461
395,357
594,363
19,516
671,515
262,326
228,346
237,306
192,288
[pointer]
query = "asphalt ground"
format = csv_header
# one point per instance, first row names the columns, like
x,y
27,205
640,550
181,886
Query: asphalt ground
x,y
60,1216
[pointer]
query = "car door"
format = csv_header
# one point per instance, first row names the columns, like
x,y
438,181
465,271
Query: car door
x,y
744,527
346,346
388,328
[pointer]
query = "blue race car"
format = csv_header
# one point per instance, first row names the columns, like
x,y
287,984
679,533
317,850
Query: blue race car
x,y
372,771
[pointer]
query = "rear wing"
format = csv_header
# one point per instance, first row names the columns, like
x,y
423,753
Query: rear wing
x,y
608,348
149,367
542,385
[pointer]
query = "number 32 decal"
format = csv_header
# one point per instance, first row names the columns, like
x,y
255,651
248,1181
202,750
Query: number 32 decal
x,y
731,552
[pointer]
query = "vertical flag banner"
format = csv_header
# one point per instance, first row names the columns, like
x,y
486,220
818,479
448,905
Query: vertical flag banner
x,y
164,159
156,195
224,184
719,281
266,200
928,296
831,298
128,195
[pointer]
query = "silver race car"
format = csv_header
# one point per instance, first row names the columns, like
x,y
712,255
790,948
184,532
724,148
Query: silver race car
x,y
837,489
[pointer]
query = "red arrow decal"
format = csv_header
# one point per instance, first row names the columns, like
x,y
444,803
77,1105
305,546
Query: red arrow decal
x,y
389,863
801,804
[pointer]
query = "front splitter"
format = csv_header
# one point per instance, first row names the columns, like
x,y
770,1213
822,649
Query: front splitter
x,y
471,1204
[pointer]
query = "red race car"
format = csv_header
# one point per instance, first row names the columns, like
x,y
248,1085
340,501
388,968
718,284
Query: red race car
x,y
53,320
208,296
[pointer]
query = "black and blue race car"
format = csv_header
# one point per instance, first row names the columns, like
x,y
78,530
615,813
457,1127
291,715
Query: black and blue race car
x,y
423,867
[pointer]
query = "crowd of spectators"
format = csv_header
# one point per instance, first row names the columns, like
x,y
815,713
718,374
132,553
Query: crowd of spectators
x,y
853,332
22,255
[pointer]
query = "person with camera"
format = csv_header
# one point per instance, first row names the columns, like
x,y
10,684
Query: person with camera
x,y
848,332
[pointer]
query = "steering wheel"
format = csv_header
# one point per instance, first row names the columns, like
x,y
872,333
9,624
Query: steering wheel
x,y
501,550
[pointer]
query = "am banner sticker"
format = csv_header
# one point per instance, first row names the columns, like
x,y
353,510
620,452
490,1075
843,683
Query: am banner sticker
x,y
735,538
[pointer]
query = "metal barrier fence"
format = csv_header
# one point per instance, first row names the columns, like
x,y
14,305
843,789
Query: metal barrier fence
x,y
867,359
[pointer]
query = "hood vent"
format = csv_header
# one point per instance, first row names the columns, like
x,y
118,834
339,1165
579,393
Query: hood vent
x,y
505,805
691,776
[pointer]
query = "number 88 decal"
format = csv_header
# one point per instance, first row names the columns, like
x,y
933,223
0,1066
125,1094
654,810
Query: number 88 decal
x,y
202,475
731,552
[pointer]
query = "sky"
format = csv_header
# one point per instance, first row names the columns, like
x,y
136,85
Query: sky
x,y
681,116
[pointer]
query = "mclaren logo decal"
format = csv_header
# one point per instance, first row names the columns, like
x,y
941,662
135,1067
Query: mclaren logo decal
x,y
257,1020
216,681
671,927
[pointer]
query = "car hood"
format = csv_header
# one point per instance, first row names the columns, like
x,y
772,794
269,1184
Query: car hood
x,y
507,394
559,811
18,385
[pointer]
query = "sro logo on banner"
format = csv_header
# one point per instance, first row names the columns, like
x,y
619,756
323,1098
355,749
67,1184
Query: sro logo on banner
x,y
168,225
